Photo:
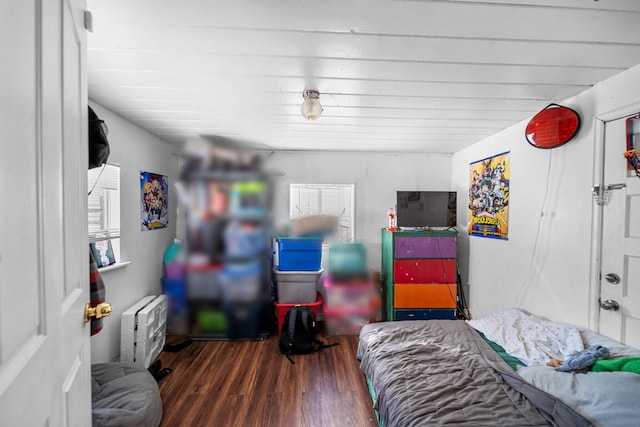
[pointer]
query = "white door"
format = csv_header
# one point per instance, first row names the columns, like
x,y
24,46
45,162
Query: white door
x,y
44,280
620,249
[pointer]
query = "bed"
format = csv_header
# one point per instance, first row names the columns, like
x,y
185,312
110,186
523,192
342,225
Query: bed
x,y
452,372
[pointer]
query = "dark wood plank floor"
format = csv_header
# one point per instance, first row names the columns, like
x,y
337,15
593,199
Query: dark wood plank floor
x,y
249,383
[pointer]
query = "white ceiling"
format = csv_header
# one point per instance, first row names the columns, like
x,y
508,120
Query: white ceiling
x,y
393,75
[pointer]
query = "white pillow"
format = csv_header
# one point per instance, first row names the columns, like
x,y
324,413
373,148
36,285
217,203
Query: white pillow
x,y
616,349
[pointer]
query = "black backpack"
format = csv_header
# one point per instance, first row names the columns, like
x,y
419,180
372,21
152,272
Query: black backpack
x,y
299,332
98,143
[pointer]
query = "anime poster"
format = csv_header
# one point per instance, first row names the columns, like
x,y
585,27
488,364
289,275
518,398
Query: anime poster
x,y
489,197
154,202
633,142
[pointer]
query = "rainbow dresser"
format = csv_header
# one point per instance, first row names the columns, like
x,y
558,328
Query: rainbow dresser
x,y
419,269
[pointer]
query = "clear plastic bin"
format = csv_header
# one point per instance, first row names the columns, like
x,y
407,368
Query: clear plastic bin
x,y
297,286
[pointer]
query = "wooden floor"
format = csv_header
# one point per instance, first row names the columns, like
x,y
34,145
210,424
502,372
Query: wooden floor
x,y
249,383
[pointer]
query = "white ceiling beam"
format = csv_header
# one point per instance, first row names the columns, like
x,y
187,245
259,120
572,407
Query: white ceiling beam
x,y
222,43
418,18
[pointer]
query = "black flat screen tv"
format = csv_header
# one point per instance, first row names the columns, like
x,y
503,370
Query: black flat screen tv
x,y
426,209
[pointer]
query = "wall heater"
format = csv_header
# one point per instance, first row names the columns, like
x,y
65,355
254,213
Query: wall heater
x,y
143,330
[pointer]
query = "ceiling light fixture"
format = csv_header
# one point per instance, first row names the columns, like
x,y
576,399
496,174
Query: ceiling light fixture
x,y
311,107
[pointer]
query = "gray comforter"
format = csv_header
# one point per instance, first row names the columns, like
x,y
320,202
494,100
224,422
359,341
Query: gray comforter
x,y
441,372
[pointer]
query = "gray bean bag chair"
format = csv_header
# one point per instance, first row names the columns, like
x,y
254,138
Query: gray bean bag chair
x,y
124,395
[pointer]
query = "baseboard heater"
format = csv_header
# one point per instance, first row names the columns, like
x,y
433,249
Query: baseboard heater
x,y
143,330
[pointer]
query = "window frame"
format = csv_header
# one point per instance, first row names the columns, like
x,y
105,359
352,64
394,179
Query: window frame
x,y
348,223
108,207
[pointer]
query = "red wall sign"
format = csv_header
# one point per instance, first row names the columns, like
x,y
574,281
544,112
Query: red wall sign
x,y
552,127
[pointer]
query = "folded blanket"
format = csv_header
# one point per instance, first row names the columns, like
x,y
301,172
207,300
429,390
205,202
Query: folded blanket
x,y
626,364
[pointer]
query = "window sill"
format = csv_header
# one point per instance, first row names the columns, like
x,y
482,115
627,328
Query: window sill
x,y
115,266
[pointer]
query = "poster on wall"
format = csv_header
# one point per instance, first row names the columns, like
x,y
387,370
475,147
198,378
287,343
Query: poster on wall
x,y
488,214
154,202
633,142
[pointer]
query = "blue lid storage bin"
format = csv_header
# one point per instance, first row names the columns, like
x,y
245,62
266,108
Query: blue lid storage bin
x,y
299,253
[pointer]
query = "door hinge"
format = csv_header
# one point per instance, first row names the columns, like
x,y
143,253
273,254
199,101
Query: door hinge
x,y
602,195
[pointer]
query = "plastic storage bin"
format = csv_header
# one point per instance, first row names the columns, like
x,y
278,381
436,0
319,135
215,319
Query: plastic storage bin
x,y
340,322
174,270
281,309
173,252
243,318
248,198
211,320
203,282
297,286
175,291
357,296
299,253
173,265
241,284
347,258
242,241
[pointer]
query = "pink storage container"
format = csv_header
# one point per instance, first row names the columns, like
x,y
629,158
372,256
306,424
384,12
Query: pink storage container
x,y
174,270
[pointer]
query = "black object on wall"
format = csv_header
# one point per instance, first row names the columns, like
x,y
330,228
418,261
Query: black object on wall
x,y
98,143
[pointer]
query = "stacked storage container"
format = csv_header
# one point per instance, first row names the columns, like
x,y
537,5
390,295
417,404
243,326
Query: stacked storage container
x,y
174,287
228,256
297,274
352,298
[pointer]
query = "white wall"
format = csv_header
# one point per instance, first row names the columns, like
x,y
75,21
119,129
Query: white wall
x,y
377,177
134,150
544,266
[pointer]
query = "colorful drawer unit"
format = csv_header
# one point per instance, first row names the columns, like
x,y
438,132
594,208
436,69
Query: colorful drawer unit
x,y
419,274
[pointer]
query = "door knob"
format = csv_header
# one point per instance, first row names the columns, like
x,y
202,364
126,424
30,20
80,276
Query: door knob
x,y
99,311
612,278
609,304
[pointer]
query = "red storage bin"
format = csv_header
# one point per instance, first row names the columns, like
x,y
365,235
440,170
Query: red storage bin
x,y
281,310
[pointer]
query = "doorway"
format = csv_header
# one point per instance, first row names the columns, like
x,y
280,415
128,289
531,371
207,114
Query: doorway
x,y
616,284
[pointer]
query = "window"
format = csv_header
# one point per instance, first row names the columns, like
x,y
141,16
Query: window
x,y
104,206
328,199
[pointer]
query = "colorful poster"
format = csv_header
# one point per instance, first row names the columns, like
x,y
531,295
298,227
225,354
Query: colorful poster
x,y
154,202
633,142
489,197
